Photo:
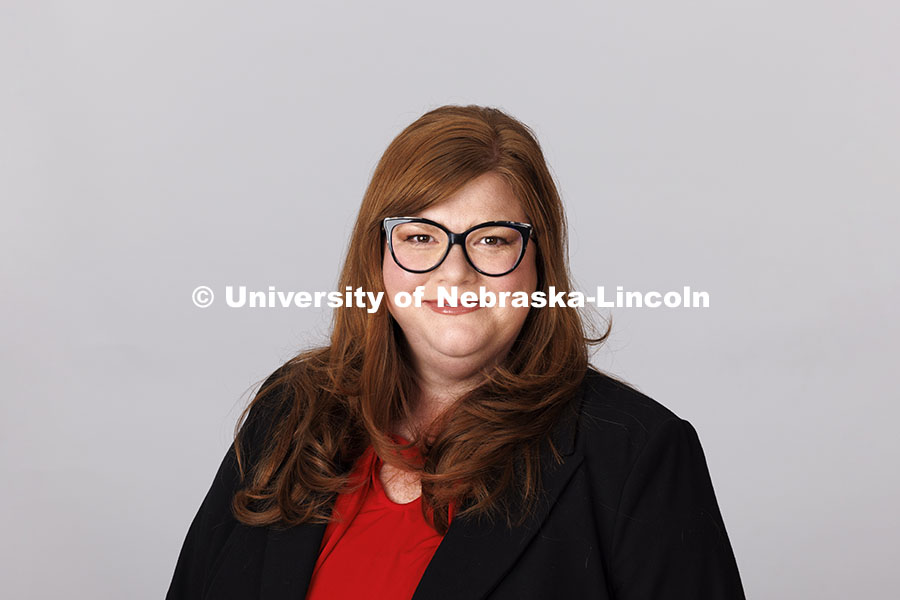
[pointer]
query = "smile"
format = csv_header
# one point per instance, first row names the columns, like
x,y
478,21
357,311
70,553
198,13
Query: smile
x,y
449,310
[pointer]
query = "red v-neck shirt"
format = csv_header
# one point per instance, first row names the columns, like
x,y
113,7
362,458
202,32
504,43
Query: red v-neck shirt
x,y
380,549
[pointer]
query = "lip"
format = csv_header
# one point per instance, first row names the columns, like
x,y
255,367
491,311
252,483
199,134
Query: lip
x,y
449,310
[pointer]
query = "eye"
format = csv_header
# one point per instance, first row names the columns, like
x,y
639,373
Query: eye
x,y
493,240
418,238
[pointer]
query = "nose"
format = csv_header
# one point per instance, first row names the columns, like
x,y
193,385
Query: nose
x,y
455,269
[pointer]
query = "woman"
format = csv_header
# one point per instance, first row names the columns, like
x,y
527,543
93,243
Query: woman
x,y
433,452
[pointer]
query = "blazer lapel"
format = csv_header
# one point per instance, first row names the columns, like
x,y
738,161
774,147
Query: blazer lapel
x,y
289,560
473,556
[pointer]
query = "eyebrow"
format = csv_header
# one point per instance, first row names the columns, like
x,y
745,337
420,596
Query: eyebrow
x,y
470,223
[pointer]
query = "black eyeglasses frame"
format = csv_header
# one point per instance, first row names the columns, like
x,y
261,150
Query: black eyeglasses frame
x,y
526,230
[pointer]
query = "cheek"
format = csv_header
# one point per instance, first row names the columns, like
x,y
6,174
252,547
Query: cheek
x,y
388,276
524,278
396,280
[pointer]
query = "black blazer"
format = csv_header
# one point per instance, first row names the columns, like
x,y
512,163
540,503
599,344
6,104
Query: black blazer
x,y
630,514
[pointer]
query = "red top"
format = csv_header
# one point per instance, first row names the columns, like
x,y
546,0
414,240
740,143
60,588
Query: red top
x,y
380,549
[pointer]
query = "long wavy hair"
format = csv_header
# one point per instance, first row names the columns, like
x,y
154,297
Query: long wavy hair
x,y
327,405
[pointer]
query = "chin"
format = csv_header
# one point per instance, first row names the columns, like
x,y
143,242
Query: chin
x,y
459,352
458,346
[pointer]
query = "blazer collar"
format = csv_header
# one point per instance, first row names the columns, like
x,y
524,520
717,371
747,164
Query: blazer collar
x,y
483,551
474,556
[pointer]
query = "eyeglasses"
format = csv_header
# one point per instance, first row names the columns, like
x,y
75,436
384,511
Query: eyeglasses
x,y
419,245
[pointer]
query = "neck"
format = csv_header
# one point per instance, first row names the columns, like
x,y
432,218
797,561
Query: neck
x,y
441,381
437,392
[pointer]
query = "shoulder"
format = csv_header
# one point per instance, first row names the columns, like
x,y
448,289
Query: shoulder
x,y
271,403
616,421
617,403
652,494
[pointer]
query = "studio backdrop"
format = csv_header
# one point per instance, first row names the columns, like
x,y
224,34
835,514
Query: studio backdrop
x,y
745,150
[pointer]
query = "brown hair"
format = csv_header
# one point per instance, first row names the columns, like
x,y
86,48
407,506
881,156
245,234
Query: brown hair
x,y
332,402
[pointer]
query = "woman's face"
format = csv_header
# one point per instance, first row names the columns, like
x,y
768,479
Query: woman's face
x,y
455,343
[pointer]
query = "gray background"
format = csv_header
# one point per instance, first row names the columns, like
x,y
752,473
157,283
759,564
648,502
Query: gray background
x,y
745,148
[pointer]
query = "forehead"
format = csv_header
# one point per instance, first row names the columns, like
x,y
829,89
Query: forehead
x,y
485,198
